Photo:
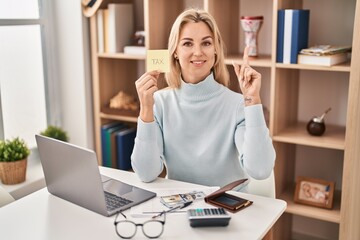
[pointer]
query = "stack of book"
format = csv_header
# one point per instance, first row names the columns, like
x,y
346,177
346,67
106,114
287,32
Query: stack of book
x,y
292,34
115,27
117,143
324,55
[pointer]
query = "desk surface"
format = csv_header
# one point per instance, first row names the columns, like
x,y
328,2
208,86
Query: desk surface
x,y
43,216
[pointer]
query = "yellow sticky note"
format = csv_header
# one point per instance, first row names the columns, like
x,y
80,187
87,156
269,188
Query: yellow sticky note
x,y
158,60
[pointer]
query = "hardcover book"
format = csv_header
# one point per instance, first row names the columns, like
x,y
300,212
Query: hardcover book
x,y
100,30
124,147
323,60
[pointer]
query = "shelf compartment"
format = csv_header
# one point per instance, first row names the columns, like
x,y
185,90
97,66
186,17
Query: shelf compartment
x,y
159,18
230,27
120,115
329,215
121,56
344,67
333,138
260,61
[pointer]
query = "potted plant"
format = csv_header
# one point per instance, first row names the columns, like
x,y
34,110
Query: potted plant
x,y
55,132
13,160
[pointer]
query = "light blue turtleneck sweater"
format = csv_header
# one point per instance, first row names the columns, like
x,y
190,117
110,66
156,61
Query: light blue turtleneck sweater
x,y
204,134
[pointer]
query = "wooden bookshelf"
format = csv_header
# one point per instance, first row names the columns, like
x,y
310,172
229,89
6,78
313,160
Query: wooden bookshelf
x,y
329,215
334,138
114,72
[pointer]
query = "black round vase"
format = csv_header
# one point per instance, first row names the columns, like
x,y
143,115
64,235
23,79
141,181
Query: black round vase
x,y
316,128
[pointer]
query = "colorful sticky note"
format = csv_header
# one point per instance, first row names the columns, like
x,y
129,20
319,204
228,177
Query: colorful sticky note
x,y
158,60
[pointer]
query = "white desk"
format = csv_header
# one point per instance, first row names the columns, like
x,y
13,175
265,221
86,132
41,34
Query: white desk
x,y
43,216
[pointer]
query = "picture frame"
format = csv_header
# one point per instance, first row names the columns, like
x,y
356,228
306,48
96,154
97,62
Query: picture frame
x,y
314,192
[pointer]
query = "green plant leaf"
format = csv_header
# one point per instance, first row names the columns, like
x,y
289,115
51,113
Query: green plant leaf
x,y
55,132
13,150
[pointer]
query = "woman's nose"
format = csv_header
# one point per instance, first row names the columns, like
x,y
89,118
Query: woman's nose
x,y
198,50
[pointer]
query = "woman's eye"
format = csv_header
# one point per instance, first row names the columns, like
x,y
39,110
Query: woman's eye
x,y
187,44
207,43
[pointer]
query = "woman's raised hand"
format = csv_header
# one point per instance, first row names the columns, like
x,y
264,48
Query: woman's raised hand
x,y
249,80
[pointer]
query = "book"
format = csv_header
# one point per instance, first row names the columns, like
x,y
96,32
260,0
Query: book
x,y
112,150
106,29
323,60
103,136
136,50
323,50
124,146
292,35
110,160
280,36
105,141
120,26
100,30
288,25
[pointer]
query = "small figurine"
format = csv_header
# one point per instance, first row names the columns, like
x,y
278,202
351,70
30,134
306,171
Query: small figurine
x,y
139,38
124,101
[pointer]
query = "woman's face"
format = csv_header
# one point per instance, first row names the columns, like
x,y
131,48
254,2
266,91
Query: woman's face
x,y
196,52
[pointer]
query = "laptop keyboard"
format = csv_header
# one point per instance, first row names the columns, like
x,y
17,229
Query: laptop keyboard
x,y
114,202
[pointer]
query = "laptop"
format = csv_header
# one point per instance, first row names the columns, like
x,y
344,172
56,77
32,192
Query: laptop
x,y
72,173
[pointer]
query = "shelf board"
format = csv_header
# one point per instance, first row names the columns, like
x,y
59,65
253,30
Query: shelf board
x,y
334,137
120,115
122,56
329,215
260,61
343,67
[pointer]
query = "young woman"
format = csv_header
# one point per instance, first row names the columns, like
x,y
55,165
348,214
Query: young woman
x,y
200,130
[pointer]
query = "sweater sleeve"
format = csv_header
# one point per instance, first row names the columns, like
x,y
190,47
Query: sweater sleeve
x,y
257,154
147,158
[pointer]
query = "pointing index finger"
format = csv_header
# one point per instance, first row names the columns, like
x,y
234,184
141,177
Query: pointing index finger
x,y
246,55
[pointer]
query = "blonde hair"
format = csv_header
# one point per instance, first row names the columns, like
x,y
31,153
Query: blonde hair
x,y
220,70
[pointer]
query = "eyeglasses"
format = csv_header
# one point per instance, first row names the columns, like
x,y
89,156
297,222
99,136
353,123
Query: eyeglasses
x,y
127,229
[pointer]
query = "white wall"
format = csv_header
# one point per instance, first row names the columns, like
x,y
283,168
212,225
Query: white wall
x,y
73,71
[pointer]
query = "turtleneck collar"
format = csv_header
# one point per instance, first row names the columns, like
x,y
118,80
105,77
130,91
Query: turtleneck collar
x,y
200,91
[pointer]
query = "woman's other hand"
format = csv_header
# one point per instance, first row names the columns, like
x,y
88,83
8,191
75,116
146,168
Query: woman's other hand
x,y
146,86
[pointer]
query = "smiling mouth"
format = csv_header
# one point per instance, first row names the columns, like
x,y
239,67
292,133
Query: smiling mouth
x,y
198,62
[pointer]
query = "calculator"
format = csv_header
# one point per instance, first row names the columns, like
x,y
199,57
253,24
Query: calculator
x,y
208,217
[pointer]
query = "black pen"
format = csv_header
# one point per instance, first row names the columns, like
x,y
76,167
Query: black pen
x,y
181,206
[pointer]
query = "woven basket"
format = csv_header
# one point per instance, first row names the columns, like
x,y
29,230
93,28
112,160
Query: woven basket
x,y
13,172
